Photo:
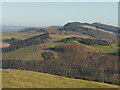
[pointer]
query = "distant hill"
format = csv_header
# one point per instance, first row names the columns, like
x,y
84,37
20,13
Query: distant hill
x,y
28,79
78,29
52,29
110,28
8,28
34,30
97,30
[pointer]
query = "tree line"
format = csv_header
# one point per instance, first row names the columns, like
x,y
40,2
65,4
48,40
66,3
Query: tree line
x,y
74,64
87,41
16,44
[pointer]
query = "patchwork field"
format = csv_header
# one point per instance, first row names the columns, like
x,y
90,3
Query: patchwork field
x,y
55,38
32,52
18,35
27,79
19,53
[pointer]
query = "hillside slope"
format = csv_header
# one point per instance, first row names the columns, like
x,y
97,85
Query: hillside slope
x,y
78,29
110,28
29,79
27,42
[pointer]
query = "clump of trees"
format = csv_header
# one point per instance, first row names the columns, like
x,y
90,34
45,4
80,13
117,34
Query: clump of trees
x,y
27,42
48,56
11,40
87,41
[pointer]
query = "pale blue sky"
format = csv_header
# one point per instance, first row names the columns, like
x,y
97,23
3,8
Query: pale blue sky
x,y
58,13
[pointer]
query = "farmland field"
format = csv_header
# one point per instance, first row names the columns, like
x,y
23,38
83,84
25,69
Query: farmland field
x,y
55,38
18,35
19,53
29,53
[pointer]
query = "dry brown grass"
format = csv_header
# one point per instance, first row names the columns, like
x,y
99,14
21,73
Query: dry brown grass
x,y
4,45
91,27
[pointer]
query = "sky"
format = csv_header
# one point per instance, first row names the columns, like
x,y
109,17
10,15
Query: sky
x,y
40,14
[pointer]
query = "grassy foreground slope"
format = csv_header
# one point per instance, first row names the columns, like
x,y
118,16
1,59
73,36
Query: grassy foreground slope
x,y
27,79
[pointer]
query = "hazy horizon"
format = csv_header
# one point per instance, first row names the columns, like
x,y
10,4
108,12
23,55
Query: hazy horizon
x,y
41,14
55,25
